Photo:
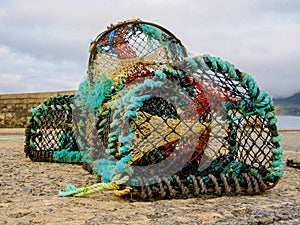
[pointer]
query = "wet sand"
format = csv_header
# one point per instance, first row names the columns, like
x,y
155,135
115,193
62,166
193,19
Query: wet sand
x,y
29,196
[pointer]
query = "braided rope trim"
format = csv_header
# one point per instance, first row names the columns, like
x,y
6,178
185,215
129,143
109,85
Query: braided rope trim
x,y
173,187
197,186
152,30
65,151
262,102
245,183
114,185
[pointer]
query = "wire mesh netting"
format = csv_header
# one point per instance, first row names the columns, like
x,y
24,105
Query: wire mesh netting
x,y
156,122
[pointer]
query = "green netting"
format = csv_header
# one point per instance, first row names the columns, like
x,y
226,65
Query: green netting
x,y
49,132
155,122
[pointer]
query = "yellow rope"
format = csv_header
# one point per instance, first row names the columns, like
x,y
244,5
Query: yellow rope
x,y
123,192
96,188
111,186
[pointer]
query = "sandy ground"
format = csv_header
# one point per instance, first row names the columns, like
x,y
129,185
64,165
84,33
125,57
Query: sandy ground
x,y
29,196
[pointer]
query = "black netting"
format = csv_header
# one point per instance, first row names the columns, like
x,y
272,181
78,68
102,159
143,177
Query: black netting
x,y
50,129
171,124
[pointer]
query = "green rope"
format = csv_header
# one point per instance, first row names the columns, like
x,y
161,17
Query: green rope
x,y
260,100
71,190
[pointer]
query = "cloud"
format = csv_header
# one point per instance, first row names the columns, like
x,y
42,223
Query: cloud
x,y
47,42
24,73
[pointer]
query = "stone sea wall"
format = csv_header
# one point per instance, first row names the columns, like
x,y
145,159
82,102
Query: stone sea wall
x,y
15,108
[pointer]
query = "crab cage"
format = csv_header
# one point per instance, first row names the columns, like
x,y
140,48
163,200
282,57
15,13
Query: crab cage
x,y
49,132
153,121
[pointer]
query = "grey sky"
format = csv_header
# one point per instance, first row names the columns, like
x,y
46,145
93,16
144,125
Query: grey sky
x,y
44,44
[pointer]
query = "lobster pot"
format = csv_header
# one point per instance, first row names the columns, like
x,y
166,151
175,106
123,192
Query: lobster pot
x,y
170,124
130,49
49,132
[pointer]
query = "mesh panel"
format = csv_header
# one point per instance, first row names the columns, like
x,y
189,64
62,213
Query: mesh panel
x,y
166,124
50,130
218,131
122,47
